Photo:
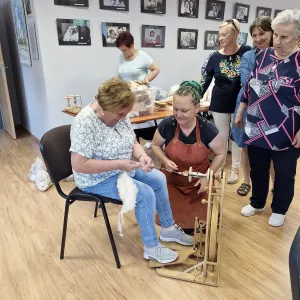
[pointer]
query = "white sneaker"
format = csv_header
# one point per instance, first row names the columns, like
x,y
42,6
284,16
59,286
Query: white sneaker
x,y
160,254
248,210
276,220
233,177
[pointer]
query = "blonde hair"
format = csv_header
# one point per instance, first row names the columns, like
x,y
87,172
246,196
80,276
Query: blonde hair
x,y
235,28
115,94
192,88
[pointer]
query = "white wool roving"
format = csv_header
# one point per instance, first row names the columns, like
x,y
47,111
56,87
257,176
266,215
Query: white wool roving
x,y
127,192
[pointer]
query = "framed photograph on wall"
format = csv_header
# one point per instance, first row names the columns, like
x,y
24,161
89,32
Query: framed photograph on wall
x,y
82,3
153,36
188,8
241,12
153,6
121,5
110,32
187,38
21,32
276,12
73,32
33,41
242,38
28,8
215,10
211,40
263,11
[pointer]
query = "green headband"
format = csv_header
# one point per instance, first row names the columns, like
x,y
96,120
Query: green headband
x,y
196,87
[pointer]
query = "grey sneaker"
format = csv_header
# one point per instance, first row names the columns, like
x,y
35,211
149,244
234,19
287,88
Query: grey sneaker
x,y
177,235
160,254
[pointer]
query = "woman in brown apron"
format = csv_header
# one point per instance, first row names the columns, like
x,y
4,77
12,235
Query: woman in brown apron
x,y
188,140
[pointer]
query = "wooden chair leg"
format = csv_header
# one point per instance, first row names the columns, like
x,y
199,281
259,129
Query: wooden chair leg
x,y
96,210
111,238
64,233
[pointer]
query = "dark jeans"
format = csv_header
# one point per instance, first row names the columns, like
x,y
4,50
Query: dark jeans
x,y
285,165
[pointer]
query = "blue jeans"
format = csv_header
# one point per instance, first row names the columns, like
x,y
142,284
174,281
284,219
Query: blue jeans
x,y
152,195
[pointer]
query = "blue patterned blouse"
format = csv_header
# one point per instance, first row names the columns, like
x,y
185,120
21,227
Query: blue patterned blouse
x,y
273,98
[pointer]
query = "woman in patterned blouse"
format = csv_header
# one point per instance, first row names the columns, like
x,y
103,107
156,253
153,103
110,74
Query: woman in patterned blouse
x,y
272,129
103,145
224,67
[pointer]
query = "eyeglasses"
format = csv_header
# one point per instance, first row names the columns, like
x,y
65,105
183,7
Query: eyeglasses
x,y
230,21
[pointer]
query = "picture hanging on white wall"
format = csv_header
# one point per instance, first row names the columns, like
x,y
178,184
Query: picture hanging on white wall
x,y
263,11
110,32
33,41
211,40
28,8
82,3
241,12
21,32
73,32
215,10
188,8
187,38
121,5
153,36
242,38
276,12
153,6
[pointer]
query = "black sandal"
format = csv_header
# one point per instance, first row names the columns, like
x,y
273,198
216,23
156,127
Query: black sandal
x,y
244,189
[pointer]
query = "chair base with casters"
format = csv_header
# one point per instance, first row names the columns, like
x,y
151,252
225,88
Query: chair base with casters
x,y
54,146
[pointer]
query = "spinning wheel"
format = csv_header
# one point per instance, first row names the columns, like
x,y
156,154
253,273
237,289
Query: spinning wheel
x,y
200,263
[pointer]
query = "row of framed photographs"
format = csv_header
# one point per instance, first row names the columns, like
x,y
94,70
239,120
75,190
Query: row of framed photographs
x,y
77,33
215,9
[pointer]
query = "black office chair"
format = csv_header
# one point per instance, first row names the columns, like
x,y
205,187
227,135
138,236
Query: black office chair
x,y
55,145
294,262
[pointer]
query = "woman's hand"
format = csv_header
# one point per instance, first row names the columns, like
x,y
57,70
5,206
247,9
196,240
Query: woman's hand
x,y
170,165
146,163
128,165
238,121
203,185
296,141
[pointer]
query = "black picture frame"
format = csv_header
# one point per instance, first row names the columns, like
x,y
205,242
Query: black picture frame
x,y
155,40
118,5
73,32
215,10
242,38
263,11
153,6
187,38
114,29
188,8
78,3
211,40
276,12
241,12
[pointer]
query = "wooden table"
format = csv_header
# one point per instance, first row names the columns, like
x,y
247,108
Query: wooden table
x,y
153,117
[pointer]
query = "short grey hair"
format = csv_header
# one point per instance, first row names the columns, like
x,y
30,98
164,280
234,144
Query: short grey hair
x,y
288,17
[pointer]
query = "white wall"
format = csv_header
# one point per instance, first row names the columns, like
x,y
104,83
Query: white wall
x,y
80,69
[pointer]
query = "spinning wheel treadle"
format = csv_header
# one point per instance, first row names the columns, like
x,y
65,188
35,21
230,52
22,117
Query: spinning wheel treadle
x,y
193,265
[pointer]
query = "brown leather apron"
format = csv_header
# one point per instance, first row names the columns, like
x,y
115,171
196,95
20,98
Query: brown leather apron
x,y
185,202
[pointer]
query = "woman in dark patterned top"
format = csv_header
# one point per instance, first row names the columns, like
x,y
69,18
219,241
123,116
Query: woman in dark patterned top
x,y
272,129
224,66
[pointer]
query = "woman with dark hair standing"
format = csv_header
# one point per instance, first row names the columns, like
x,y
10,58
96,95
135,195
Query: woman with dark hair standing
x,y
134,64
262,34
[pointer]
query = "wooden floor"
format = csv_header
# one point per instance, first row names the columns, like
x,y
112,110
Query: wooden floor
x,y
254,255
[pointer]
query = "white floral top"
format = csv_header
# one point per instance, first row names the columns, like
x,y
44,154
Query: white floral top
x,y
91,138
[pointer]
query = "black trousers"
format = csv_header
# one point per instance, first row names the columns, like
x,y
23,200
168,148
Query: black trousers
x,y
285,165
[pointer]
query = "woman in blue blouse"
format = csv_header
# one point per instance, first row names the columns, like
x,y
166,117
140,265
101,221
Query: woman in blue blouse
x,y
224,66
272,129
262,35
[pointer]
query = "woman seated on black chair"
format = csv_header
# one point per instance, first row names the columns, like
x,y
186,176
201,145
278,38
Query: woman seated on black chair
x,y
103,145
